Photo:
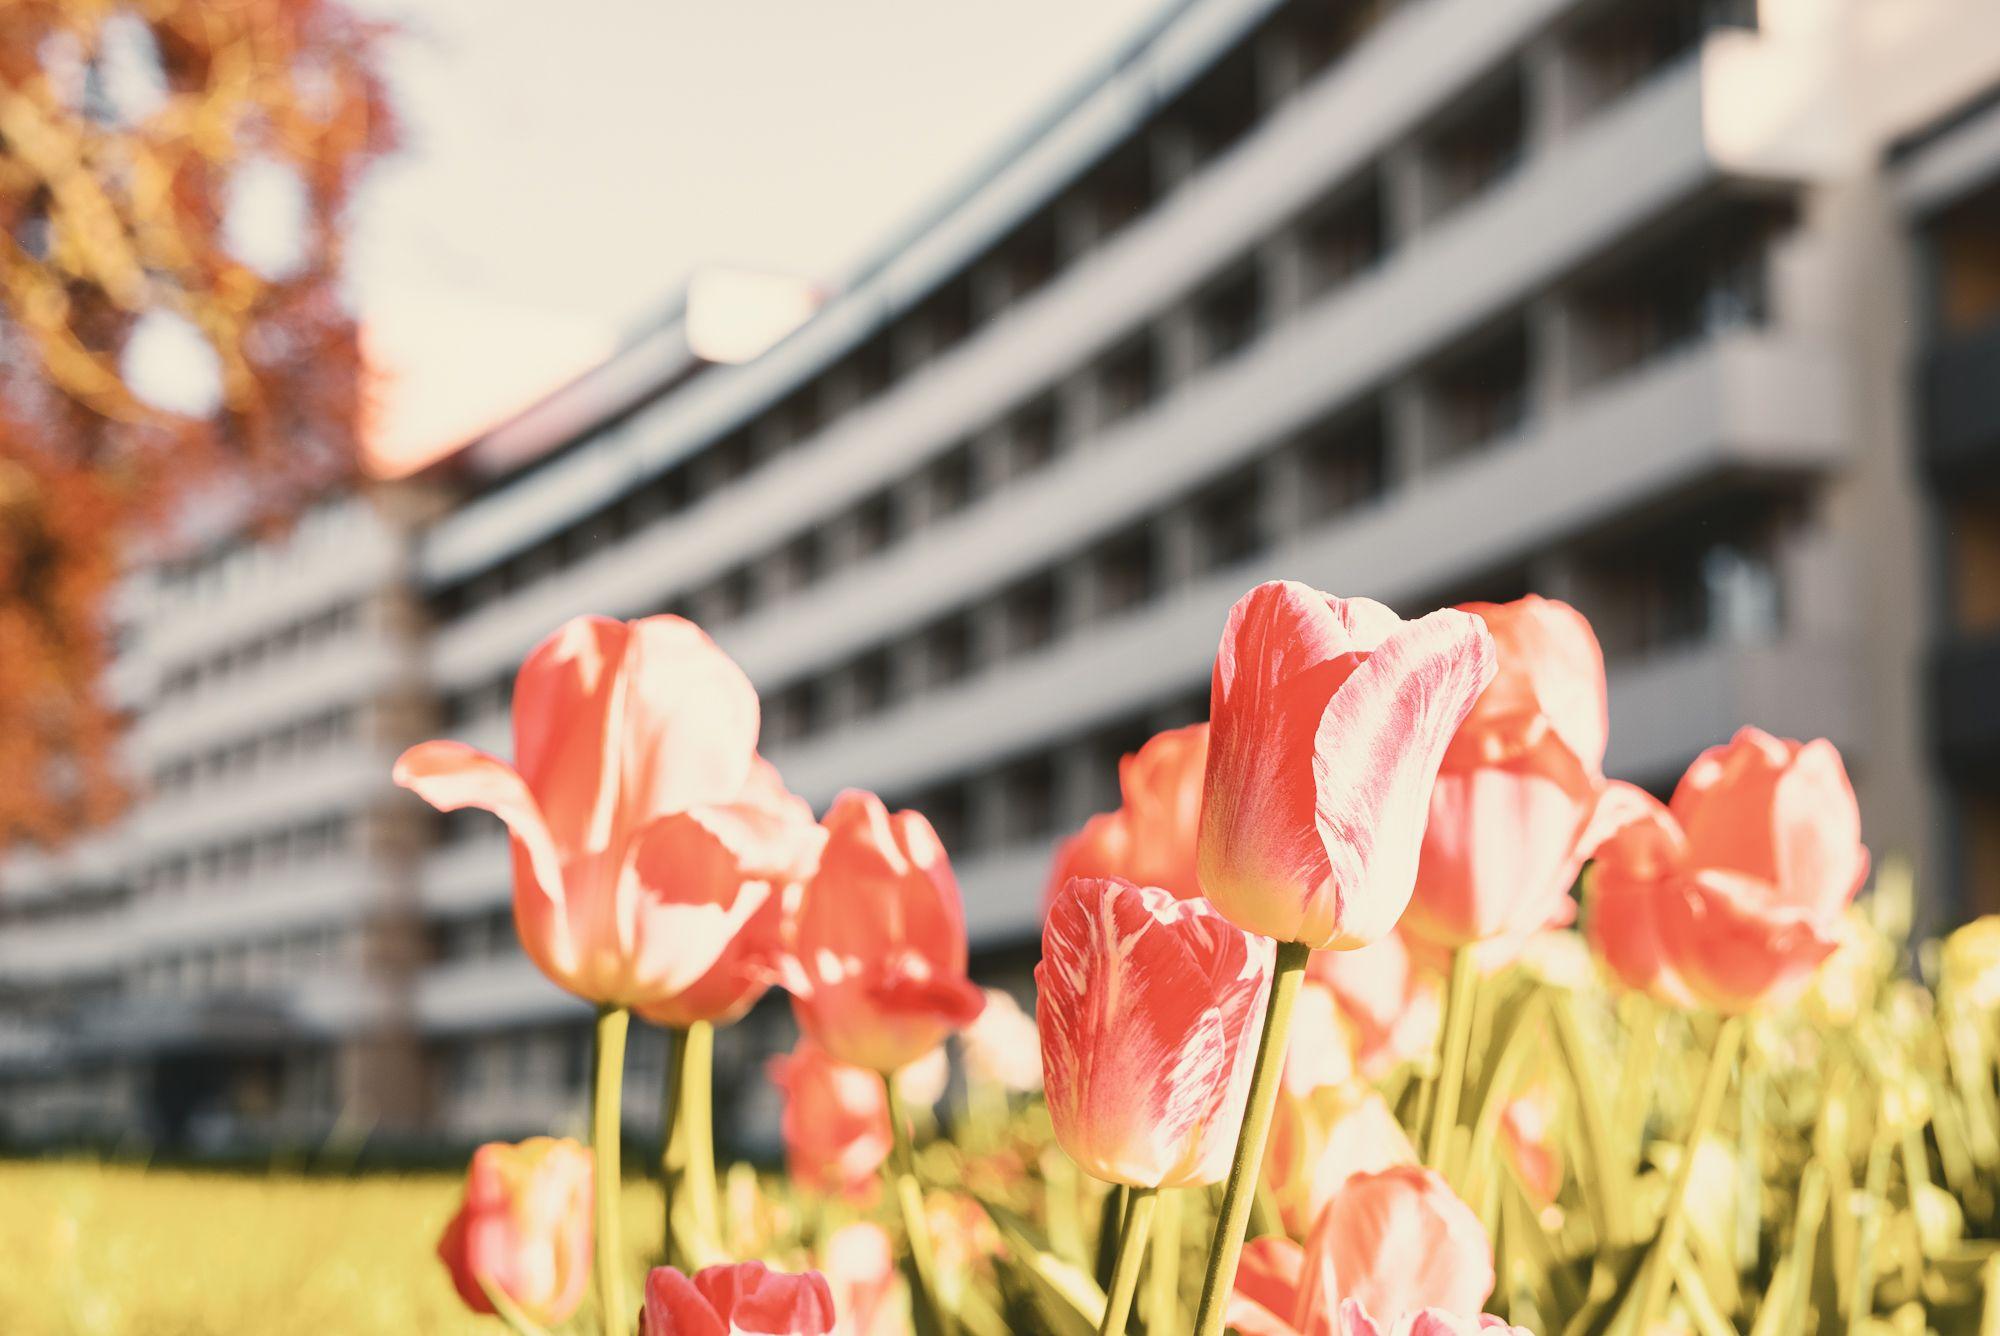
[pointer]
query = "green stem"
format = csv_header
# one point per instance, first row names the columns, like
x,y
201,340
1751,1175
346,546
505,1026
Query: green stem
x,y
909,1193
1163,1277
1138,1226
508,1311
1452,1059
1657,1282
688,1163
606,1115
1226,1247
1606,1200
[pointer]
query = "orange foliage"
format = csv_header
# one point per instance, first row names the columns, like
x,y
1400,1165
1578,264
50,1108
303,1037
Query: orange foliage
x,y
127,132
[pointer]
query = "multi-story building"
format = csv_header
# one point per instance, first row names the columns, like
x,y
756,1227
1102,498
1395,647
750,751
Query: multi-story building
x,y
1947,179
1428,300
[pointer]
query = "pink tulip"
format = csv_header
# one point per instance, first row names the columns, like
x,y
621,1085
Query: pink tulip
x,y
739,1299
1320,1139
1733,897
1391,1247
523,1228
1150,839
1527,1134
641,844
1511,812
1392,1007
860,1267
835,1123
749,965
1003,1047
877,967
1328,720
1149,1010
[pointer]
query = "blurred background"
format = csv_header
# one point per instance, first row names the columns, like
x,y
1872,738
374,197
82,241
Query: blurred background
x,y
956,367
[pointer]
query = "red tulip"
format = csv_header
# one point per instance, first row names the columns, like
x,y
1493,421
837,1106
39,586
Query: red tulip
x,y
1511,811
1733,897
877,970
1150,839
1392,1247
738,1299
1328,720
523,1228
749,964
835,1124
1149,1009
641,847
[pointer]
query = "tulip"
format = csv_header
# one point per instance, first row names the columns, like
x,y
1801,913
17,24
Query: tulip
x,y
522,1235
1319,1139
1391,1248
1003,1047
835,1122
1518,786
1389,1004
789,843
741,1299
1527,1133
1147,1008
634,744
1329,718
877,969
1150,839
1732,896
860,1268
1328,721
1632,872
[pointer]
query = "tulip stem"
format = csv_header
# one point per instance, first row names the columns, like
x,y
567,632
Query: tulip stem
x,y
1138,1227
508,1311
1453,1056
1656,1284
606,1115
1163,1276
928,1314
1226,1247
688,1162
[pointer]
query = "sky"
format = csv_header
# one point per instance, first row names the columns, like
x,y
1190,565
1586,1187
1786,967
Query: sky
x,y
566,167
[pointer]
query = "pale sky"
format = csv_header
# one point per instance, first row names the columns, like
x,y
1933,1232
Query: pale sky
x,y
567,166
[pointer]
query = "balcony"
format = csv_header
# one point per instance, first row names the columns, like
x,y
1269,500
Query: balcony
x,y
1740,405
1729,113
358,668
246,1020
1961,380
1965,708
491,994
342,780
338,891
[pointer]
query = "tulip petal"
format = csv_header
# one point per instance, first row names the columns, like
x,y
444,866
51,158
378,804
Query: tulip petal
x,y
1267,1287
1816,825
1398,1241
1375,757
1734,948
451,776
1145,1005
674,1307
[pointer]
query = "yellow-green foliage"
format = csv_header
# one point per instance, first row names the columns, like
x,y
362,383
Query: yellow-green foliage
x,y
114,1250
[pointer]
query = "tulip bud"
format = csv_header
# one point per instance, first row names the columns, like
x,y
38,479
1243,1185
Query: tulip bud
x,y
1150,839
1328,720
835,1123
738,1299
523,1228
877,967
1149,1009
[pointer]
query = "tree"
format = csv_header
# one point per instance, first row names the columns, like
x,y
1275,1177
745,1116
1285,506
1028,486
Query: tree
x,y
174,176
